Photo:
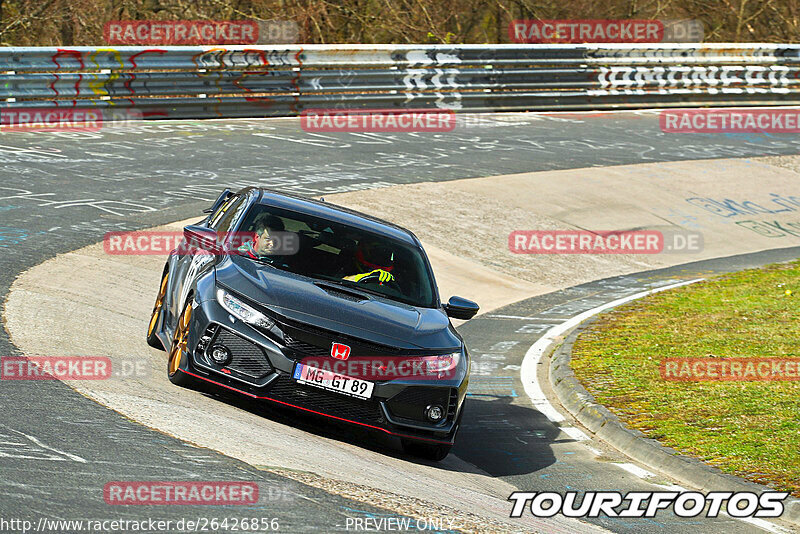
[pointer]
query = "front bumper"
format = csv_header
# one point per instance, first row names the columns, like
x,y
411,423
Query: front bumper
x,y
261,368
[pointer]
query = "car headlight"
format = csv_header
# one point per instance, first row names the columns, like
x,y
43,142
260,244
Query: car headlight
x,y
442,363
239,309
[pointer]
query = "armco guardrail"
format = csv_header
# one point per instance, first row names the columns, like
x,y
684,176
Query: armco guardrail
x,y
254,81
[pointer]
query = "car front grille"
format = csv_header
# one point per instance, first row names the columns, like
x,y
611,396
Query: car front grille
x,y
304,340
307,349
246,358
285,389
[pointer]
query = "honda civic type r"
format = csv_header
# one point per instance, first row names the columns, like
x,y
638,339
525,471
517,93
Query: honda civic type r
x,y
318,308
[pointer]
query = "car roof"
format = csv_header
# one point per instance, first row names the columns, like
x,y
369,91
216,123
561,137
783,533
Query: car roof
x,y
333,212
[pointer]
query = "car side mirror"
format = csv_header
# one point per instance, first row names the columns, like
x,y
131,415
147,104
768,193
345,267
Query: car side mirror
x,y
461,308
199,237
220,200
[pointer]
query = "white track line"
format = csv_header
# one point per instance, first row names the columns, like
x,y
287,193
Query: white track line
x,y
635,470
539,400
531,360
522,317
575,433
73,457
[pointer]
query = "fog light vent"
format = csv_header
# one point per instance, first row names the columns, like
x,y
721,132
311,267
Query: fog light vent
x,y
220,354
435,413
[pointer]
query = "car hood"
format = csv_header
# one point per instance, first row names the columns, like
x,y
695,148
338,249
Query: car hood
x,y
377,320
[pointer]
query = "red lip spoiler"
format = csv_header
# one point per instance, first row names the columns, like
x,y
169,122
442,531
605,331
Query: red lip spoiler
x,y
314,411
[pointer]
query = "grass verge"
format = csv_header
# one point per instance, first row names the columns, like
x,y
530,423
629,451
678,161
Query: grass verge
x,y
750,429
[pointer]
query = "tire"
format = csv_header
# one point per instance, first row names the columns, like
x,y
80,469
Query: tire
x,y
155,317
435,453
178,351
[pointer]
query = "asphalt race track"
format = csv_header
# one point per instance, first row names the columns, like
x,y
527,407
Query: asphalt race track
x,y
533,452
62,191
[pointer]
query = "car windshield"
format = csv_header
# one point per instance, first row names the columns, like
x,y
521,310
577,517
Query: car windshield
x,y
338,253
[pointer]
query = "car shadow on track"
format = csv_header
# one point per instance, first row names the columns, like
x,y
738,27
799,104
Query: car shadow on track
x,y
364,438
503,438
496,436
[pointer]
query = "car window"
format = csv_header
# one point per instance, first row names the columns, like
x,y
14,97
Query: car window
x,y
342,254
214,218
221,221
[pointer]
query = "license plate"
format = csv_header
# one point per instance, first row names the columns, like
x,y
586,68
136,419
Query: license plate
x,y
321,378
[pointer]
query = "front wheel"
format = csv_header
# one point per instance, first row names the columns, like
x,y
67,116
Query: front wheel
x,y
180,350
434,453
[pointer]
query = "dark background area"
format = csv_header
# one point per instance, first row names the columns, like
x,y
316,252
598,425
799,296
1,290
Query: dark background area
x,y
80,22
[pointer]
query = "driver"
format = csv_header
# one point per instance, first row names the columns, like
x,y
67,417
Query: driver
x,y
372,259
264,244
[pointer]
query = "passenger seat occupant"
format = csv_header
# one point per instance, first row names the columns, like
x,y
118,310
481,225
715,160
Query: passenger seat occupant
x,y
372,259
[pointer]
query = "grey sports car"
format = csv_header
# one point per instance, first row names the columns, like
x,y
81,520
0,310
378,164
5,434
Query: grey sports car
x,y
318,308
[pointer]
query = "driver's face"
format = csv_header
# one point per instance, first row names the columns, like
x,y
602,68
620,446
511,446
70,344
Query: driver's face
x,y
264,244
